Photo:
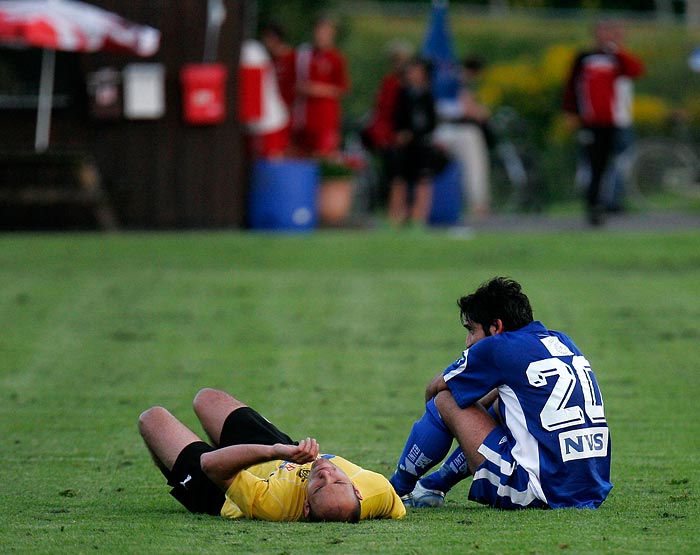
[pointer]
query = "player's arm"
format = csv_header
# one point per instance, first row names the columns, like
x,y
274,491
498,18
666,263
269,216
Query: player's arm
x,y
222,465
436,385
570,101
322,90
472,108
489,399
631,65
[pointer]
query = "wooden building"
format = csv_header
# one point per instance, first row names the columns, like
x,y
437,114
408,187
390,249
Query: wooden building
x,y
157,173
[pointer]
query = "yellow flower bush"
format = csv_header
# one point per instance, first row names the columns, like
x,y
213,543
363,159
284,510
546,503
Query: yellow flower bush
x,y
650,111
490,94
561,129
556,64
523,77
691,110
515,77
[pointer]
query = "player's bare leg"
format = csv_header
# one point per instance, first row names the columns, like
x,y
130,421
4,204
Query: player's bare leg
x,y
470,426
398,202
422,202
165,436
212,407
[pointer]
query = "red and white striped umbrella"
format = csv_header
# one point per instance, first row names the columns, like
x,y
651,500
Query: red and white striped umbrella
x,y
73,26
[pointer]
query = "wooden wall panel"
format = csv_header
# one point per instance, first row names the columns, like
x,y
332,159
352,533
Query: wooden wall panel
x,y
161,174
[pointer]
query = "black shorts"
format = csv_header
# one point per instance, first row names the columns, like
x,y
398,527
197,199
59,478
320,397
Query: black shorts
x,y
247,426
191,486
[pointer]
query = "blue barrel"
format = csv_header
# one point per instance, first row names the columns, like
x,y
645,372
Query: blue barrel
x,y
283,195
446,209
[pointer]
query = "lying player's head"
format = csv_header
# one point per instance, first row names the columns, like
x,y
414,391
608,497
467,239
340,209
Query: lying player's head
x,y
497,299
330,494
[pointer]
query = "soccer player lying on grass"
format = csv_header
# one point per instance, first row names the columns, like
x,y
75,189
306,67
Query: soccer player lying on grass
x,y
257,471
525,407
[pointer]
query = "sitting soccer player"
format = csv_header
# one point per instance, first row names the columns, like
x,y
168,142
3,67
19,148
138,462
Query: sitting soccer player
x,y
525,407
257,471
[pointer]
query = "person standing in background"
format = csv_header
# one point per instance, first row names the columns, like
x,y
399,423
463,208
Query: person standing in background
x,y
417,160
283,58
379,135
598,96
379,131
267,126
461,134
321,80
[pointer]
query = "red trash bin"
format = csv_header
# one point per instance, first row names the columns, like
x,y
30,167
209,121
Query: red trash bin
x,y
204,93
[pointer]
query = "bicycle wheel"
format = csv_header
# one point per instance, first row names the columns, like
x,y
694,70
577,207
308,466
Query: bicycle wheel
x,y
661,171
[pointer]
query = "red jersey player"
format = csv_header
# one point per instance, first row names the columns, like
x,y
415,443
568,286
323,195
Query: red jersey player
x,y
322,79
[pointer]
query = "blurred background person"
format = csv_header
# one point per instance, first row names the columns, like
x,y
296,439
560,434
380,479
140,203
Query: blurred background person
x,y
410,192
598,96
267,131
283,57
321,80
461,133
378,134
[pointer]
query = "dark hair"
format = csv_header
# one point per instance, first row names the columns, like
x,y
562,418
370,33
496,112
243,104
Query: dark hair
x,y
274,29
420,61
336,514
326,17
499,298
473,63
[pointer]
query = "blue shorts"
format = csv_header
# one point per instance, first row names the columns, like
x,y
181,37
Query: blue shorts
x,y
499,481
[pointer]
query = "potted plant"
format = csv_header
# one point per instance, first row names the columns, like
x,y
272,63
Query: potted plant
x,y
336,191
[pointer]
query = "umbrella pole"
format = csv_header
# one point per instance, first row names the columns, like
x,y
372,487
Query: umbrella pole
x,y
216,15
43,119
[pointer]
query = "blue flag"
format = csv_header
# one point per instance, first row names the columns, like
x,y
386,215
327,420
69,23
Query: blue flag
x,y
437,48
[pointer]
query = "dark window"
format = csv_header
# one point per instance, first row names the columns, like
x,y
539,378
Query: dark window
x,y
20,72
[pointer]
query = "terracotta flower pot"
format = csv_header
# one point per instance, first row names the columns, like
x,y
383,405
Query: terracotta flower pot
x,y
335,200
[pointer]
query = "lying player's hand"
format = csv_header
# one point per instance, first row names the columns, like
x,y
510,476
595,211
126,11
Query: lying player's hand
x,y
306,451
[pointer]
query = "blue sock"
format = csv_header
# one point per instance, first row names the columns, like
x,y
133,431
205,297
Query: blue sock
x,y
427,444
452,471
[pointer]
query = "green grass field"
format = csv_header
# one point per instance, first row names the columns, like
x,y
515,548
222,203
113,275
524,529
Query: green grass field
x,y
335,335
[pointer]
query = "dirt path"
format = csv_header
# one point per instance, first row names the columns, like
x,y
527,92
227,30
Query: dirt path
x,y
660,221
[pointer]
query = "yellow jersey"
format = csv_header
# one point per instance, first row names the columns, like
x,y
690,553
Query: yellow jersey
x,y
276,490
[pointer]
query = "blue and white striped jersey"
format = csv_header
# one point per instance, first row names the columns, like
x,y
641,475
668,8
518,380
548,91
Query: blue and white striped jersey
x,y
550,403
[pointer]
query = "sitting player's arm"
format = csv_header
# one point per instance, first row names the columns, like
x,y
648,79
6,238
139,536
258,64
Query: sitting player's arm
x,y
436,385
489,399
222,465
